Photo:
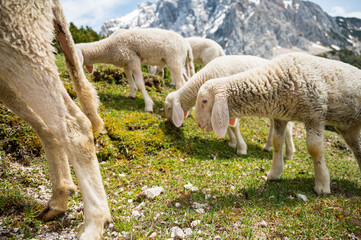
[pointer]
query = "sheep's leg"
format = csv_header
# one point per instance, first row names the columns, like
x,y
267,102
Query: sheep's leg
x,y
240,144
62,183
268,145
290,147
132,87
44,94
278,139
176,74
352,138
139,81
232,138
314,142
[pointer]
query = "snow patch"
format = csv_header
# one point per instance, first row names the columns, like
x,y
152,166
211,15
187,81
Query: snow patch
x,y
255,1
335,47
317,45
288,4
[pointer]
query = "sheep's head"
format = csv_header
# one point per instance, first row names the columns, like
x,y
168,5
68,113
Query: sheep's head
x,y
212,110
81,58
173,110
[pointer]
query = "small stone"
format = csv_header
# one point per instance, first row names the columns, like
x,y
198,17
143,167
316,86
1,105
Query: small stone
x,y
177,204
217,237
263,223
207,196
153,235
264,178
188,232
195,223
302,197
190,187
152,193
176,232
136,214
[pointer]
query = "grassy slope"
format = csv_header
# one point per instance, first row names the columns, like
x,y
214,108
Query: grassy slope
x,y
143,150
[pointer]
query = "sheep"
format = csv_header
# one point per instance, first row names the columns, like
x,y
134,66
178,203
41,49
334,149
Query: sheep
x,y
204,50
131,48
181,101
296,86
31,88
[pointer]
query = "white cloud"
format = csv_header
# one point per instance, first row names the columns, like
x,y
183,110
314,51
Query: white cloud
x,y
91,12
340,11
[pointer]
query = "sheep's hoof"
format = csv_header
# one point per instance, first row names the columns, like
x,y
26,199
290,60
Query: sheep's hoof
x,y
232,145
48,214
131,97
273,177
289,156
241,151
322,190
148,110
267,148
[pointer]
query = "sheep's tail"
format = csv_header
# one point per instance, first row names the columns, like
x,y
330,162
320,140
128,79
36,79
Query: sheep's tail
x,y
189,63
85,91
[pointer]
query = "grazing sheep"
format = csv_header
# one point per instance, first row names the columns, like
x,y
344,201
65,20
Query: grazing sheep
x,y
181,101
31,88
297,86
204,50
131,48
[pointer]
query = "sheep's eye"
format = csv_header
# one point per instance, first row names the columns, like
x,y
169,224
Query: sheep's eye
x,y
204,101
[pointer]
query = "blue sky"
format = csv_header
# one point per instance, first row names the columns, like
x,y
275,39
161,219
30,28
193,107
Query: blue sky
x,y
93,13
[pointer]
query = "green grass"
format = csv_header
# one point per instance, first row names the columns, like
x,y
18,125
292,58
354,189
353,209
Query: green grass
x,y
143,150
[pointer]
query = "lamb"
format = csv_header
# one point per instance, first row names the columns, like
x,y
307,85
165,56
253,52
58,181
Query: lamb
x,y
181,101
131,48
296,86
204,50
31,88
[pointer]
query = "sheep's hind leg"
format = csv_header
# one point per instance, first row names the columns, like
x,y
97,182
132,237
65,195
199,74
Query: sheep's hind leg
x,y
315,147
352,138
290,146
132,87
268,146
240,144
62,184
278,139
141,86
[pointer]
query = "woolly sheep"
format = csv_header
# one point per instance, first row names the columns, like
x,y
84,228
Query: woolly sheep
x,y
31,88
297,86
204,50
181,101
131,48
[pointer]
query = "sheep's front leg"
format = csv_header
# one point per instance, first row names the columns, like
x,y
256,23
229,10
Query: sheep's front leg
x,y
314,143
352,138
278,139
132,87
290,146
268,146
240,144
137,72
62,183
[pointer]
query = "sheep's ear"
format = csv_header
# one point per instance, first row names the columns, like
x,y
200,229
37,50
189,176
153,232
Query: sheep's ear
x,y
220,116
177,114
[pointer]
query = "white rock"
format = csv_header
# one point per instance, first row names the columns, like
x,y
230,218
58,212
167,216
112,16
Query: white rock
x,y
136,214
153,235
188,232
195,223
207,196
176,232
263,223
190,187
217,237
302,197
152,193
199,210
177,204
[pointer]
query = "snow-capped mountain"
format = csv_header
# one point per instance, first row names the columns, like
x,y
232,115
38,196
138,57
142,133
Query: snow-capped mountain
x,y
257,27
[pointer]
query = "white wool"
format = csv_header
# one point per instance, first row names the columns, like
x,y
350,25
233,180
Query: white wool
x,y
295,86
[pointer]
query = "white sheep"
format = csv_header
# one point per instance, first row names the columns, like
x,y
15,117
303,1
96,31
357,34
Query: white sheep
x,y
297,86
178,103
204,50
30,86
131,48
